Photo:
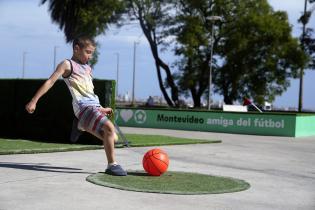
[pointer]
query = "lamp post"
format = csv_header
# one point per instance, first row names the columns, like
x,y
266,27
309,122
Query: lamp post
x,y
23,64
117,74
134,72
55,55
213,19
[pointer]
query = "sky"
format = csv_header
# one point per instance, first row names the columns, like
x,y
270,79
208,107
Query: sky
x,y
26,29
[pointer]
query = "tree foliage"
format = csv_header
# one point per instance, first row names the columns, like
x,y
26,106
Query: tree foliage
x,y
306,39
89,17
84,17
259,53
192,29
254,50
308,45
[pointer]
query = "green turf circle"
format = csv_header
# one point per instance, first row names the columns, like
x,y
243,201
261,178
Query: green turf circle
x,y
171,182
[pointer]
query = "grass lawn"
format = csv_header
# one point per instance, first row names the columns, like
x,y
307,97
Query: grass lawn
x,y
137,140
20,146
171,182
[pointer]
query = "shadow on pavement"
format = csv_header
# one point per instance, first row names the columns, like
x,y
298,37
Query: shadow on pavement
x,y
40,167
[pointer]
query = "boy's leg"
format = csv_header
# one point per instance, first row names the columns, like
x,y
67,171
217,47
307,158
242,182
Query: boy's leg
x,y
75,132
96,123
108,138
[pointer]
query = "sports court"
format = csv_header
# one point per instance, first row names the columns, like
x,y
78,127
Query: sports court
x,y
280,171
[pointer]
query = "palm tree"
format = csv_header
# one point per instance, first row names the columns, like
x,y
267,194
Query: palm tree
x,y
84,17
88,17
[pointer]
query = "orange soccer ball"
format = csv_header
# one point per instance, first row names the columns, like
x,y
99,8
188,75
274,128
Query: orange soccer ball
x,y
155,162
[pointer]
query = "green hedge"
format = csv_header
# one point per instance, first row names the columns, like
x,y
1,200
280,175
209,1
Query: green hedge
x,y
53,117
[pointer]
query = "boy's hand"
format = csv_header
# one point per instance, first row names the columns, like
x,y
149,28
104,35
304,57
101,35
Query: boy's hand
x,y
30,107
107,111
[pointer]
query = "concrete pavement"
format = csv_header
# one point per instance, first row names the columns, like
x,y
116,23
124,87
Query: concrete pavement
x,y
281,172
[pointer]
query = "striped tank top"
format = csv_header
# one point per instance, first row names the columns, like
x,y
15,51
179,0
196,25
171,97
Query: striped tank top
x,y
81,87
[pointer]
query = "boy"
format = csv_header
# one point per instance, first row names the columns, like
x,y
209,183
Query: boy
x,y
86,106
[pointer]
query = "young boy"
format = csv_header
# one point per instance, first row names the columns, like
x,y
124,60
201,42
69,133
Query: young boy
x,y
86,106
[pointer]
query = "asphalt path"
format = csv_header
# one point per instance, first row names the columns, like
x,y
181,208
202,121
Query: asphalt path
x,y
280,170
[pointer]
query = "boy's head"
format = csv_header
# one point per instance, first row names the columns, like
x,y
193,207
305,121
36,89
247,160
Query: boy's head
x,y
83,41
83,48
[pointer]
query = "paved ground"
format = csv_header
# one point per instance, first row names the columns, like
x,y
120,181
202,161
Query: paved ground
x,y
281,172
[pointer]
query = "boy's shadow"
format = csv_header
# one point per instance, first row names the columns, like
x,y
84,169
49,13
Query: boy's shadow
x,y
41,167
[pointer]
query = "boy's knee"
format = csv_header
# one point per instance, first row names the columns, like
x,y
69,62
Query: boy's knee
x,y
109,128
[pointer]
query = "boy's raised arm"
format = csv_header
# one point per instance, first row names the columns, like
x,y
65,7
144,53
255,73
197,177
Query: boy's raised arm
x,y
62,70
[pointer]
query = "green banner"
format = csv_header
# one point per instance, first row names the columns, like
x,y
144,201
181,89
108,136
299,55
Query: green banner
x,y
227,122
305,126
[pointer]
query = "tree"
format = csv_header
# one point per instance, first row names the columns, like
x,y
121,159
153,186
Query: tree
x,y
258,52
193,31
308,45
153,17
88,17
254,50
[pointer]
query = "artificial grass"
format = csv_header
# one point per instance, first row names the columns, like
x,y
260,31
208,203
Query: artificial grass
x,y
19,146
137,140
170,183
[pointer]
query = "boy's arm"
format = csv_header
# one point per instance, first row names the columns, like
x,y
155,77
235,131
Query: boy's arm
x,y
63,69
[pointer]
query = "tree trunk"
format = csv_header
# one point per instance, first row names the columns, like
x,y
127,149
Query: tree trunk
x,y
226,97
302,70
301,90
166,97
227,100
195,96
160,64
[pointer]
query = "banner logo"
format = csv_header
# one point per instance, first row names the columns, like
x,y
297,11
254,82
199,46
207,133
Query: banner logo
x,y
126,114
140,116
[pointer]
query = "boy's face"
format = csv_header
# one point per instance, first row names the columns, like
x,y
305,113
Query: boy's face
x,y
84,54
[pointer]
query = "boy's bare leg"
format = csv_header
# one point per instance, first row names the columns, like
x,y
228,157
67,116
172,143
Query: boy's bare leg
x,y
108,138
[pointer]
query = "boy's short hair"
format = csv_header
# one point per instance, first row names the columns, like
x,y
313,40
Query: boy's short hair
x,y
83,41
